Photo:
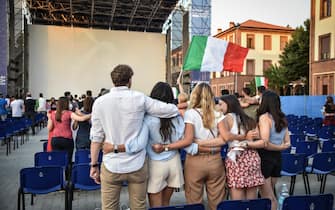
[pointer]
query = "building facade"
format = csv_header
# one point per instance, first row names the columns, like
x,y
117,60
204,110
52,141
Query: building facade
x,y
265,42
322,47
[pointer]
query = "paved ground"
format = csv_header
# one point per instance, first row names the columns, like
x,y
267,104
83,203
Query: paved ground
x,y
24,157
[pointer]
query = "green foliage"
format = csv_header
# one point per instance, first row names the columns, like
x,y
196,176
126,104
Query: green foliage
x,y
295,57
277,77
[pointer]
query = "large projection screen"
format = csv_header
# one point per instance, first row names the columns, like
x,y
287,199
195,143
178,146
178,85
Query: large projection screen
x,y
76,59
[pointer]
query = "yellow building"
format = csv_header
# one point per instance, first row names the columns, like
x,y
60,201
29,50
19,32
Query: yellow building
x,y
265,42
322,47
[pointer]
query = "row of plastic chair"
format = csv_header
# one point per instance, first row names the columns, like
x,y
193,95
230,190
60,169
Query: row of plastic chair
x,y
308,202
322,164
12,129
40,179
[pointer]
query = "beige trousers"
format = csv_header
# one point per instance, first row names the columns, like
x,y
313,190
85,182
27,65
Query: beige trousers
x,y
111,184
205,171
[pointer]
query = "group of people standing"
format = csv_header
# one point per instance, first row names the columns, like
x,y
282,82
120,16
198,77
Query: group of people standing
x,y
141,137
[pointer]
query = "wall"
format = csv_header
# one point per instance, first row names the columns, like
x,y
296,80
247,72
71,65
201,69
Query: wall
x,y
303,105
259,54
324,26
77,59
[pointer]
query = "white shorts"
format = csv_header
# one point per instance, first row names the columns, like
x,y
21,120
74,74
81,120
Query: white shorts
x,y
165,173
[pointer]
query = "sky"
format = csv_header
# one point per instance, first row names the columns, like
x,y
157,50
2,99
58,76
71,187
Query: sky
x,y
277,12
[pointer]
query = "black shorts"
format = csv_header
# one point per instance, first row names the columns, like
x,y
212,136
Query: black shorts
x,y
270,163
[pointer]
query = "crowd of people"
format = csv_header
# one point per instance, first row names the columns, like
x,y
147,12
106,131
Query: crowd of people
x,y
142,136
142,141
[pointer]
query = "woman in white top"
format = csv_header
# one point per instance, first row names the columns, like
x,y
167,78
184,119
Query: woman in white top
x,y
206,169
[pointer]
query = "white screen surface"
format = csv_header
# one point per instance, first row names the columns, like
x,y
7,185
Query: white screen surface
x,y
76,59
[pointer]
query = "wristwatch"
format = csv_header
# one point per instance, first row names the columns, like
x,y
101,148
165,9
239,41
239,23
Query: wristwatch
x,y
116,148
166,148
94,165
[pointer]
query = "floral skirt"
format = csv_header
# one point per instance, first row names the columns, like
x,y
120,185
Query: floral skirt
x,y
246,171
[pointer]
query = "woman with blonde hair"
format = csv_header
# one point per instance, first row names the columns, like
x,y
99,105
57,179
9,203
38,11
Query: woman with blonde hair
x,y
206,169
243,166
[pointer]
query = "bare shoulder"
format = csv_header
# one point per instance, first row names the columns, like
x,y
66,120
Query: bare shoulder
x,y
265,118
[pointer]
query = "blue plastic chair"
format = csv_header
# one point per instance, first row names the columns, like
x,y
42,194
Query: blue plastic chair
x,y
295,138
84,156
293,165
307,202
257,204
328,146
307,147
57,158
45,146
224,151
40,180
322,164
186,206
81,180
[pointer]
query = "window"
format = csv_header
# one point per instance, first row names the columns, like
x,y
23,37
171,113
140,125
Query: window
x,y
250,67
267,42
266,65
324,47
251,41
181,59
283,42
325,7
231,38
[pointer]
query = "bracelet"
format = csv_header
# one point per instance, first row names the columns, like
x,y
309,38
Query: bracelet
x,y
213,150
94,165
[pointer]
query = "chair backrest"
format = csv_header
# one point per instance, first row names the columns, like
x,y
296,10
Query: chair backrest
x,y
84,156
56,158
324,161
328,146
186,206
257,204
293,163
41,180
295,138
307,147
81,177
309,202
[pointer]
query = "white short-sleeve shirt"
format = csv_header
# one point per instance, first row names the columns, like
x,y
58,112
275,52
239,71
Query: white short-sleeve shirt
x,y
200,132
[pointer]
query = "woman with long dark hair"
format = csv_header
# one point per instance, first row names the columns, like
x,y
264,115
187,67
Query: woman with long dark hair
x,y
274,137
329,111
243,166
59,122
165,170
83,134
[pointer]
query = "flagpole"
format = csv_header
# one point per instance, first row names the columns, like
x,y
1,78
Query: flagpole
x,y
235,82
180,82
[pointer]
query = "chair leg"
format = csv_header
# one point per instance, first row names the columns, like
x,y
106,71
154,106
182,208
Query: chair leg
x,y
292,184
19,200
23,202
66,199
323,183
32,199
306,183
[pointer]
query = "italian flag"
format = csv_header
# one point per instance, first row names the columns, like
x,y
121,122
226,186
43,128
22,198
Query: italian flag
x,y
261,81
212,54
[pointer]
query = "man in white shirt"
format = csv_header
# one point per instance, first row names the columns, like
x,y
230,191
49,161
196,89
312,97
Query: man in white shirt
x,y
117,118
17,106
42,104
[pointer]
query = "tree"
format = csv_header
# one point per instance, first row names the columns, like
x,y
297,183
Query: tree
x,y
277,77
295,57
